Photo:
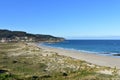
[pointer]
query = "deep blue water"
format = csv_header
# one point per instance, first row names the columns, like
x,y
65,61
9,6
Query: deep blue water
x,y
104,47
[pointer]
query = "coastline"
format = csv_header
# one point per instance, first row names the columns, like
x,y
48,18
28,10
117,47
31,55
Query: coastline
x,y
27,60
96,59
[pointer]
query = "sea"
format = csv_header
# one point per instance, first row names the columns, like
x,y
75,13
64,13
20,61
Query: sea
x,y
100,47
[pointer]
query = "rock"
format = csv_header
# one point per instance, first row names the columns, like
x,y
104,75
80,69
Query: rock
x,y
116,54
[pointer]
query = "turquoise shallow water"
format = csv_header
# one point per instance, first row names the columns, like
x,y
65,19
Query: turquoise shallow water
x,y
103,47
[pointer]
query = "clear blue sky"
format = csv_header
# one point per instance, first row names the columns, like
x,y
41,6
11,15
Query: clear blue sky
x,y
66,18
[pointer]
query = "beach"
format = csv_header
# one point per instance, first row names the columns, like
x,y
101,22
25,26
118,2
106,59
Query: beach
x,y
31,60
100,60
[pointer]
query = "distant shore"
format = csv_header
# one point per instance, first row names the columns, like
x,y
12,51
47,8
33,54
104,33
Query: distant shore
x,y
100,60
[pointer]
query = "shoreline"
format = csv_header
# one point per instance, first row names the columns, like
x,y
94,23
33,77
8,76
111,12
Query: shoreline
x,y
96,59
27,60
108,54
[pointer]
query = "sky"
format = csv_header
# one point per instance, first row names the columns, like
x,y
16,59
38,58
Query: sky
x,y
63,18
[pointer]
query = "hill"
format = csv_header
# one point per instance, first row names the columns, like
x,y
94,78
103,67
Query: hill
x,y
18,36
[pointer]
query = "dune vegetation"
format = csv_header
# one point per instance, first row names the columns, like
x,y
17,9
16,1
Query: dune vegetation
x,y
21,61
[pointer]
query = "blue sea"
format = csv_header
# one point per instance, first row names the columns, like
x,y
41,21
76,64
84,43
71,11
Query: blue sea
x,y
101,47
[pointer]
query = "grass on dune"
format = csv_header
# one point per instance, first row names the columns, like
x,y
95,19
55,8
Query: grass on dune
x,y
36,66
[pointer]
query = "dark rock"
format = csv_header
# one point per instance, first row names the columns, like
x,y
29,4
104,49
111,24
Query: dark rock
x,y
116,54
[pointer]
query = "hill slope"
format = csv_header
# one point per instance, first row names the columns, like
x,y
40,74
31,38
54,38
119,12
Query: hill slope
x,y
13,36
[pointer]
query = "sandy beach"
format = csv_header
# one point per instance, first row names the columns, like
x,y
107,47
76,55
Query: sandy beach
x,y
100,60
29,59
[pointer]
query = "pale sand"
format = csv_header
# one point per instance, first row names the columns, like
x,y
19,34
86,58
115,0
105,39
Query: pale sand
x,y
91,58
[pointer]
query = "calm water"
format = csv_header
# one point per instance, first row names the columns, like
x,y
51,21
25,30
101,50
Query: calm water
x,y
103,47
